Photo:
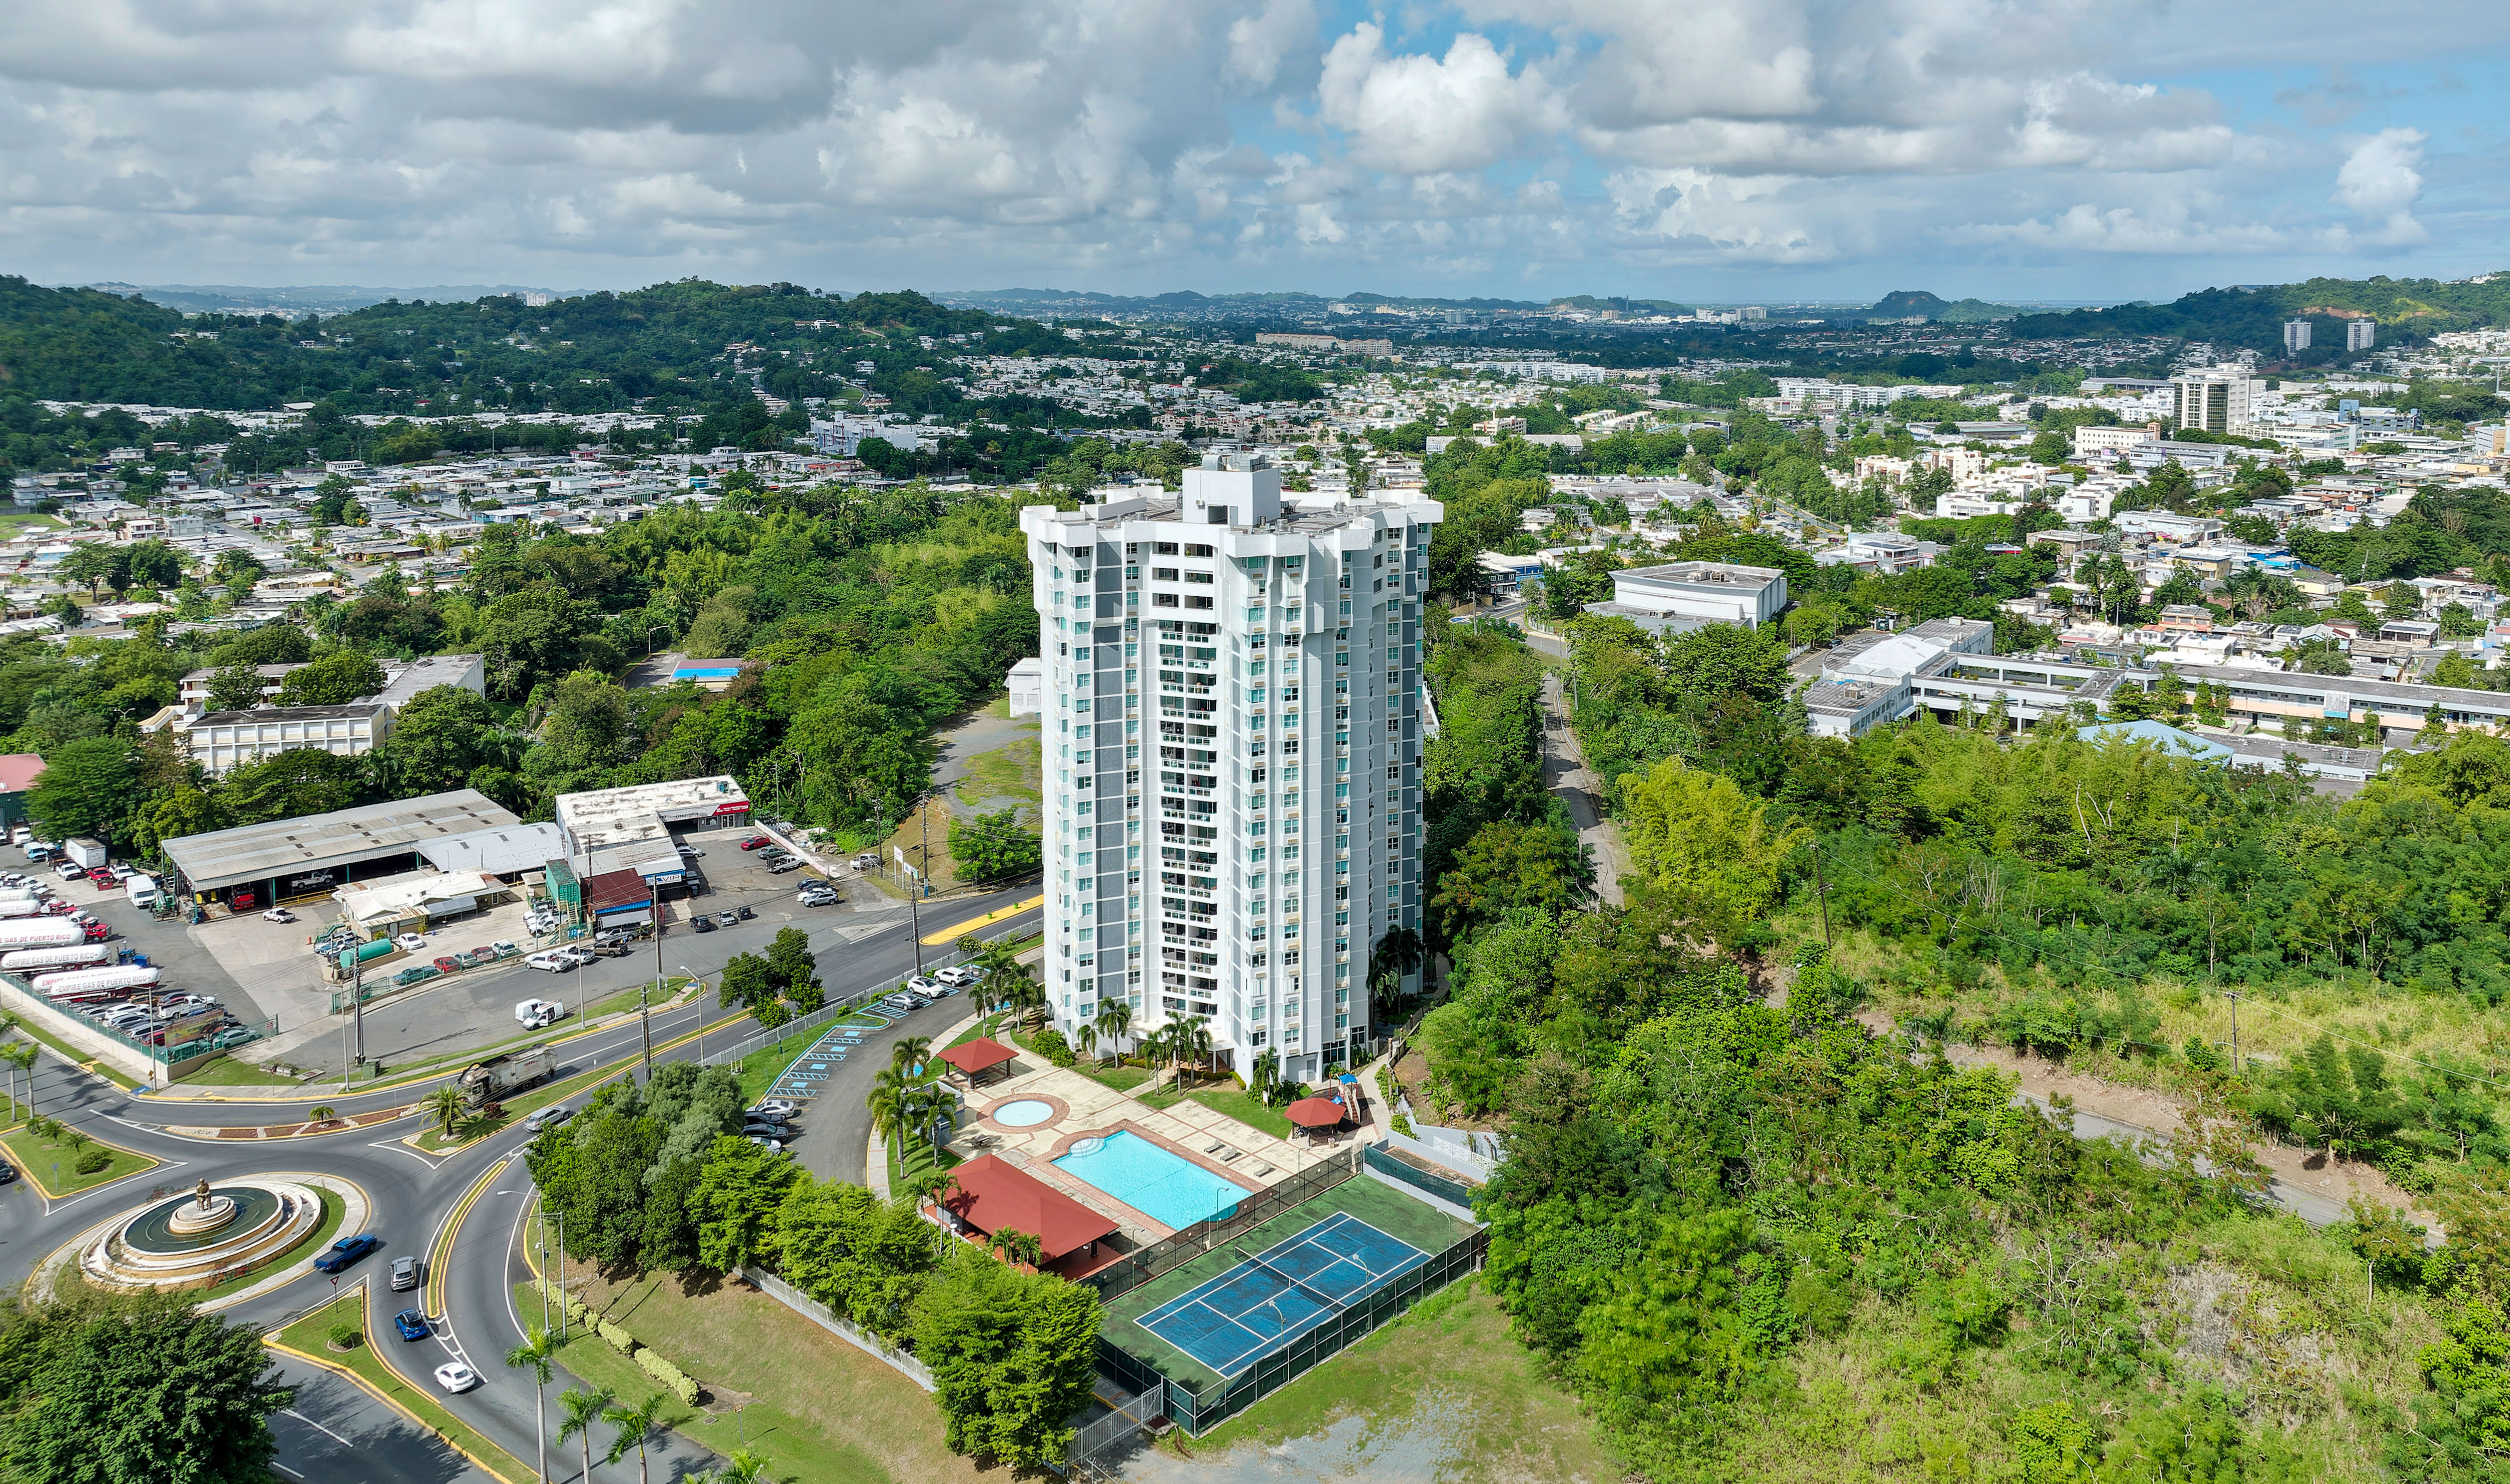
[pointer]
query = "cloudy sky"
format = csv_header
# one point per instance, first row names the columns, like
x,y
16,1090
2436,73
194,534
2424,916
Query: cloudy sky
x,y
1720,150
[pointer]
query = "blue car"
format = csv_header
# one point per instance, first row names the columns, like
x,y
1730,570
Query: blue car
x,y
347,1251
411,1323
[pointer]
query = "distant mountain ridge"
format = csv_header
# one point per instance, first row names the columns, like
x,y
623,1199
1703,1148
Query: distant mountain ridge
x,y
1186,299
318,298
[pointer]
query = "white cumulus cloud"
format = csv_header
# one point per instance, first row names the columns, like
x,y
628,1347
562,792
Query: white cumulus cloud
x,y
2380,181
1419,115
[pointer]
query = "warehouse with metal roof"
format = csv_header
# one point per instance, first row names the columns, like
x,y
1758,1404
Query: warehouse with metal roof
x,y
254,865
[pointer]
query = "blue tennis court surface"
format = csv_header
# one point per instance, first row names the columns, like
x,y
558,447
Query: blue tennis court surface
x,y
1281,1293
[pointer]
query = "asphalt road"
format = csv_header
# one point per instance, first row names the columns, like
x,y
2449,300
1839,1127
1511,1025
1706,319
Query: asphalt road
x,y
335,1432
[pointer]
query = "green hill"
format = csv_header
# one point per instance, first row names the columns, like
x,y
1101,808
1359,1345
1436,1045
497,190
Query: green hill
x,y
1917,303
2254,315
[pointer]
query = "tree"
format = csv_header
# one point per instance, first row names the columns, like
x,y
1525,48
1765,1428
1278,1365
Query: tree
x,y
584,1407
1506,866
439,739
443,1104
234,687
1705,847
141,1390
290,784
1013,1356
789,958
86,788
748,983
335,679
1114,1018
737,1197
639,1427
994,848
1721,659
535,1355
1265,1075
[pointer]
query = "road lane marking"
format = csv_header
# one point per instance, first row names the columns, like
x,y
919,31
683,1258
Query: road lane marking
x,y
440,1246
317,1426
954,933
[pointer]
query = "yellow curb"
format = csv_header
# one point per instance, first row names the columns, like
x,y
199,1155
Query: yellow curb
x,y
366,1324
957,930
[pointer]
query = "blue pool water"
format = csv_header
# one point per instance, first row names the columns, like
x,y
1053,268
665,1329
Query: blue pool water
x,y
706,672
1171,1190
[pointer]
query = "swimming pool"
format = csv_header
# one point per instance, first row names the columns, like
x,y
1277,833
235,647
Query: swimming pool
x,y
1021,1113
1170,1190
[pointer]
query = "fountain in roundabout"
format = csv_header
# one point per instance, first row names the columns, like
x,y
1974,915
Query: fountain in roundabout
x,y
202,1238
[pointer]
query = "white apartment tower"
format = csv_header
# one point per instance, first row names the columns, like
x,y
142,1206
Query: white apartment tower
x,y
2359,335
2212,401
2296,335
1234,718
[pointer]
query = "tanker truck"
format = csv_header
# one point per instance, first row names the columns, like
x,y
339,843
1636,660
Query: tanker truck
x,y
88,981
24,960
40,932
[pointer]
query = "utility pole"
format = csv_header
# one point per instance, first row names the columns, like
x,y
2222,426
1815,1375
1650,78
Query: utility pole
x,y
357,1000
645,1000
2233,996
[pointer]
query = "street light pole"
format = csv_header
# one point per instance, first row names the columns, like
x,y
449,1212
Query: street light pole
x,y
645,1000
701,984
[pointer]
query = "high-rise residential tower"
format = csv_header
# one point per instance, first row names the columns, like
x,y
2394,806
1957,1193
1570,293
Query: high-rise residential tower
x,y
2296,335
2359,335
1233,720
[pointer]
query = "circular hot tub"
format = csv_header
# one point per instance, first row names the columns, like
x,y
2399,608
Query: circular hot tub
x,y
1021,1113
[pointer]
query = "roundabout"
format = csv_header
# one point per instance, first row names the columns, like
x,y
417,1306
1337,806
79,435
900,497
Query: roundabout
x,y
203,1239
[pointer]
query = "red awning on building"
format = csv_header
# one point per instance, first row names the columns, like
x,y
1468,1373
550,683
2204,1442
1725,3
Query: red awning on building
x,y
995,1197
1315,1112
978,1055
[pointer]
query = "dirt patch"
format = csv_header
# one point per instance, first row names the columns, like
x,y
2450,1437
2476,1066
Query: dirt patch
x,y
2338,1180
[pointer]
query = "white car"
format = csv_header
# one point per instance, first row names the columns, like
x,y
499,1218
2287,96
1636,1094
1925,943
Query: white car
x,y
555,962
455,1377
957,975
410,943
580,956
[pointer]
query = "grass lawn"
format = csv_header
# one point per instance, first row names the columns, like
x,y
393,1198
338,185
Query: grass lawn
x,y
919,1160
76,1057
1232,1101
1448,1379
1120,1077
37,1156
225,1071
817,1408
1012,771
308,1336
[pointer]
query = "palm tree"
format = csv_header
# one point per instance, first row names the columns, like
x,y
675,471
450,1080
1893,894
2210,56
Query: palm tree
x,y
534,1357
445,1105
1088,1036
907,1053
638,1426
934,1185
584,1408
20,1056
744,1468
1114,1018
888,1102
1193,1040
1017,1247
1152,1044
1265,1075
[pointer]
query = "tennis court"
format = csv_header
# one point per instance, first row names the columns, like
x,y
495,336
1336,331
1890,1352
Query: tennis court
x,y
1267,1286
1274,1296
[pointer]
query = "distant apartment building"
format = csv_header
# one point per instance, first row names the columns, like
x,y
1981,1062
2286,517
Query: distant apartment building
x,y
2360,334
2090,440
2212,401
2296,335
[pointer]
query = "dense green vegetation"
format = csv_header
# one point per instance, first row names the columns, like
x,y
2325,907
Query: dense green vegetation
x,y
658,1179
140,1390
871,616
2254,317
1770,1242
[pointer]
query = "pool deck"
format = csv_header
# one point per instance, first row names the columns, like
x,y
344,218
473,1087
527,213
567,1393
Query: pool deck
x,y
1085,1109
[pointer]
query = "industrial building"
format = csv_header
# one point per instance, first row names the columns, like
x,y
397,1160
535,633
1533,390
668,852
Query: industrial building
x,y
312,855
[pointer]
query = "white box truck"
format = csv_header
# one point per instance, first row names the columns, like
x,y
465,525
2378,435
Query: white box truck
x,y
143,892
88,854
532,1014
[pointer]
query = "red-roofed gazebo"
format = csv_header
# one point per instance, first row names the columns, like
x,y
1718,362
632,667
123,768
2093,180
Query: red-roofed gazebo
x,y
978,1056
993,1197
1315,1114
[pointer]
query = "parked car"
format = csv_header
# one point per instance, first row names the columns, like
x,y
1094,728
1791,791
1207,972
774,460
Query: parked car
x,y
103,879
447,963
404,1273
410,942
766,1143
548,1118
703,924
455,1377
123,871
866,861
777,1106
755,841
957,975
279,915
779,868
7,1172
810,898
411,1323
417,973
503,949
727,918
580,954
347,1251
689,852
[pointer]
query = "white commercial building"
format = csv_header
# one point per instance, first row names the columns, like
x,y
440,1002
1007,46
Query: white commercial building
x,y
1711,591
222,739
1234,721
